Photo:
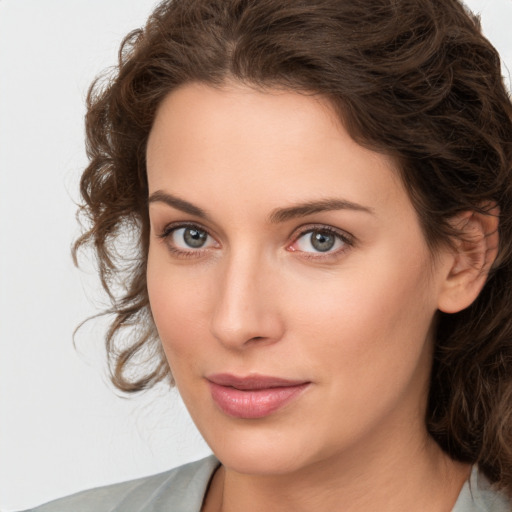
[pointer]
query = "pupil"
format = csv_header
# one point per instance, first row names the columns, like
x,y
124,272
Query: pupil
x,y
322,241
194,237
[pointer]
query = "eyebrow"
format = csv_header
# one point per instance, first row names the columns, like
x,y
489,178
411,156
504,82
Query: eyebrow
x,y
175,202
311,207
276,216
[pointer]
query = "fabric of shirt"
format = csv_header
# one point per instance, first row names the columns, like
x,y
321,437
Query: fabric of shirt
x,y
183,489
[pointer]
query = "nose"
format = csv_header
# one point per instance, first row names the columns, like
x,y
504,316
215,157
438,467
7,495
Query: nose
x,y
247,311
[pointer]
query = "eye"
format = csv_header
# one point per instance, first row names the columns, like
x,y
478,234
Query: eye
x,y
187,239
321,240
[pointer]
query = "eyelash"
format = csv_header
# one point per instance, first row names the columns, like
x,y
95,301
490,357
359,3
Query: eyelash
x,y
181,253
347,240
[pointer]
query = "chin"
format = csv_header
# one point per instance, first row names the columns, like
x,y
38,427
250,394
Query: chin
x,y
260,449
256,461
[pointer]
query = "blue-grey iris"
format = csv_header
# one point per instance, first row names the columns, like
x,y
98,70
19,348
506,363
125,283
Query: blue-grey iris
x,y
194,237
322,241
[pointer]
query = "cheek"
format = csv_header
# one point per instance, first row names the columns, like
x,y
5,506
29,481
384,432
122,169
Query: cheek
x,y
366,338
370,321
179,306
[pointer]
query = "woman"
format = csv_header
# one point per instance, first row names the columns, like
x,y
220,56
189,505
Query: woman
x,y
320,197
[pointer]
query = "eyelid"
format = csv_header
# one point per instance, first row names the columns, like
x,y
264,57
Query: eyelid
x,y
347,239
173,226
166,233
307,228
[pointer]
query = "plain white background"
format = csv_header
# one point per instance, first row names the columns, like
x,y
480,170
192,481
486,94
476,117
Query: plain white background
x,y
62,427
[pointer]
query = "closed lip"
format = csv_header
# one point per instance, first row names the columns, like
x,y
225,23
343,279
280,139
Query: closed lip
x,y
253,396
253,382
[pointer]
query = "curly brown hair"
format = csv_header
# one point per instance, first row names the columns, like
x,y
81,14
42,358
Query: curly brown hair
x,y
414,79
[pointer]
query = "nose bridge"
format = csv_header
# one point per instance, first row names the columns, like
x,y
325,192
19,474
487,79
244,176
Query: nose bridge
x,y
245,309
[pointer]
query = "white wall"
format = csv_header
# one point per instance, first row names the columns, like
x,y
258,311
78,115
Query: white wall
x,y
62,428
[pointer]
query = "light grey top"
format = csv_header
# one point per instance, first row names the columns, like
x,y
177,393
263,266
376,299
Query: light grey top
x,y
182,490
477,495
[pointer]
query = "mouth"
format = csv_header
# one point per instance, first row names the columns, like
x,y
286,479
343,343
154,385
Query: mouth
x,y
254,396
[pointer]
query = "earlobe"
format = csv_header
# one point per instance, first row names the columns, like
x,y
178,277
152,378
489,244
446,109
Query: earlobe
x,y
475,251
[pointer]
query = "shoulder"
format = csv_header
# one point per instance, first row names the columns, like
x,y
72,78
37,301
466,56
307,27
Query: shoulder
x,y
180,489
478,495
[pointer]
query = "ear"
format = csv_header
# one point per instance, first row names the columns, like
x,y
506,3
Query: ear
x,y
470,260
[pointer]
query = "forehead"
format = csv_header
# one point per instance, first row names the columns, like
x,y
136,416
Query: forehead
x,y
270,147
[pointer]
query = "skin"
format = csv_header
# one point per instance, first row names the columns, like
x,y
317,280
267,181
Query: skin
x,y
258,298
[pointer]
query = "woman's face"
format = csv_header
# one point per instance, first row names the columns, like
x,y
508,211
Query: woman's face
x,y
289,280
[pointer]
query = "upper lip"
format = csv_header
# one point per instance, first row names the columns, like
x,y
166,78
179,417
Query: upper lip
x,y
251,382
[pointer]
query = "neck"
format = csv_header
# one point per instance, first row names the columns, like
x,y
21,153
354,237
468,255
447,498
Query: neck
x,y
410,476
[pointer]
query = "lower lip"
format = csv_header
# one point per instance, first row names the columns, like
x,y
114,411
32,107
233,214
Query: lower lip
x,y
252,404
